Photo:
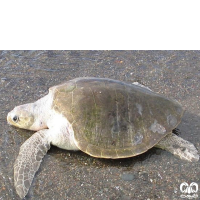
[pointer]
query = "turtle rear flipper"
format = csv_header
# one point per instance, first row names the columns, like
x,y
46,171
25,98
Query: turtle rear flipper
x,y
28,161
179,147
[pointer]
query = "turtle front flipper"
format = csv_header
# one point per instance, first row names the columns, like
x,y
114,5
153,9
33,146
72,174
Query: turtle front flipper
x,y
28,161
179,147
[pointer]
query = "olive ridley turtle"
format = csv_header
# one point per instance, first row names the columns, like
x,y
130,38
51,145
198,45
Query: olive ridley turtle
x,y
102,117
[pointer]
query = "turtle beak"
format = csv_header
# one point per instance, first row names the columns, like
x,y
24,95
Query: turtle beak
x,y
9,119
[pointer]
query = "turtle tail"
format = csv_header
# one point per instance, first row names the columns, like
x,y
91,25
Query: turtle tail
x,y
179,147
28,161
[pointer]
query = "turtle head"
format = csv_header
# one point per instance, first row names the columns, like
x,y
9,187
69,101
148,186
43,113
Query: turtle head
x,y
21,116
31,116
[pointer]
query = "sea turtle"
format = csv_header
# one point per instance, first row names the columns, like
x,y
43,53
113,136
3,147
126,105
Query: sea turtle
x,y
102,117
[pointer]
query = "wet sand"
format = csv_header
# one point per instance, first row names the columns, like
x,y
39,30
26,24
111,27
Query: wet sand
x,y
25,76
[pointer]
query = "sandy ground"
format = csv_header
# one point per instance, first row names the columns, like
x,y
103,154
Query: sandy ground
x,y
25,76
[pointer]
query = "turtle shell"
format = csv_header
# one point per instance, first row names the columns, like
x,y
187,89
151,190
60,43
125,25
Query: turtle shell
x,y
114,119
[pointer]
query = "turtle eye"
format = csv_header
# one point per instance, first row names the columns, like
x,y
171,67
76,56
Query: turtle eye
x,y
15,119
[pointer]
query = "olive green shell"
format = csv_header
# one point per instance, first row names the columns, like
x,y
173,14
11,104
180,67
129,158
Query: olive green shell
x,y
113,119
